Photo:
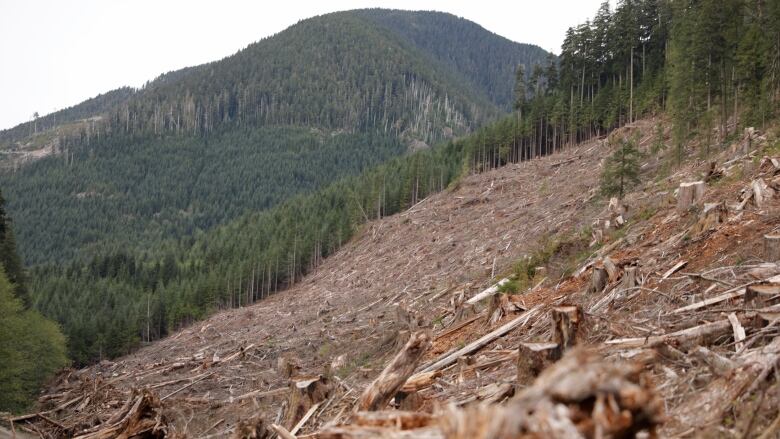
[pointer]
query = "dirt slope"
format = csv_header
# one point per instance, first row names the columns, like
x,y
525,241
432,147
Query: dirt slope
x,y
414,270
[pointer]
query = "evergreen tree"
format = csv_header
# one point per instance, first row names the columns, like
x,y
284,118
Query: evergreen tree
x,y
621,168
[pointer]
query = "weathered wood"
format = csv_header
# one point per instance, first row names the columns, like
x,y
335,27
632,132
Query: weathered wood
x,y
487,293
772,247
674,268
305,392
566,320
453,356
287,366
282,432
706,330
739,331
612,271
598,280
385,386
532,358
583,395
689,194
720,365
761,192
713,215
420,381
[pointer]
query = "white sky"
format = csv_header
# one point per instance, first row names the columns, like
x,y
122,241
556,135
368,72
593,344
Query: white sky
x,y
57,53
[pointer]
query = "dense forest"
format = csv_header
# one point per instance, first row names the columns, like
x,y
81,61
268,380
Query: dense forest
x,y
32,347
712,66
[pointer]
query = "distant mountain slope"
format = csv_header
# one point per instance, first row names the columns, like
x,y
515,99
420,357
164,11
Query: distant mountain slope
x,y
488,61
200,146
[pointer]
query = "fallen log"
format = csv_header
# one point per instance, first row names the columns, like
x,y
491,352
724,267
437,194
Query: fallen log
x,y
452,356
488,292
385,386
706,330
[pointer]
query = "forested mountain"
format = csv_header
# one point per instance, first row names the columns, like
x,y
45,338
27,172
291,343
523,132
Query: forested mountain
x,y
195,148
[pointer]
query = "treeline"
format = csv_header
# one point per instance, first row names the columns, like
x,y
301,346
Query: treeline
x,y
32,347
708,63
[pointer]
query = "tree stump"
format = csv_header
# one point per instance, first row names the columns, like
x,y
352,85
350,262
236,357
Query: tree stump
x,y
629,278
772,247
532,358
566,320
598,280
689,194
761,192
304,393
287,367
712,215
387,384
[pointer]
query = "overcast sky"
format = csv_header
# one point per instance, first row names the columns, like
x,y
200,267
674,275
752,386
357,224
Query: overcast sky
x,y
56,53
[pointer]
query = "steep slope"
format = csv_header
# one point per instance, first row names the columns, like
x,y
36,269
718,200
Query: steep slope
x,y
417,268
446,244
259,118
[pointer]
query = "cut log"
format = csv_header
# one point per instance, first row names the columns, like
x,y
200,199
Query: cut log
x,y
689,195
385,386
453,356
707,330
305,392
420,381
487,293
598,280
532,358
566,321
672,270
772,247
